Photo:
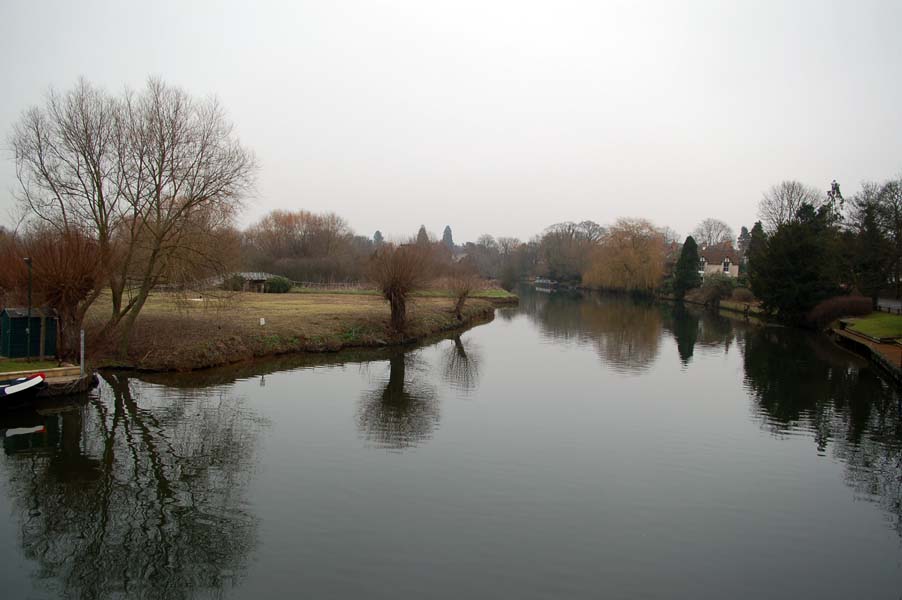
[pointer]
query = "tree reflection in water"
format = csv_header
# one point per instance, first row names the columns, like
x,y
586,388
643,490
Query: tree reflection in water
x,y
626,333
693,327
122,499
803,381
403,410
461,365
684,326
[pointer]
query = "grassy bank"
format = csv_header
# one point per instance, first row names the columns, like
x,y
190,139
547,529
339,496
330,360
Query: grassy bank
x,y
496,295
877,325
173,334
11,365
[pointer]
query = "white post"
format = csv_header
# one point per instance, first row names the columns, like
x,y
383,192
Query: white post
x,y
82,353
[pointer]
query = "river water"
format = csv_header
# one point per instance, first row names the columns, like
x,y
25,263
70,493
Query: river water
x,y
578,446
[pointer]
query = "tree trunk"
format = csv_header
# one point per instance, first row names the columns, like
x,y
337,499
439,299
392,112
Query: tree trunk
x,y
69,327
398,305
459,307
127,322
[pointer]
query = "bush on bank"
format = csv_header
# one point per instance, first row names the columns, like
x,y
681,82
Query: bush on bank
x,y
839,306
277,285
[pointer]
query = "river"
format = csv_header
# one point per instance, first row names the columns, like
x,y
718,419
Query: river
x,y
578,446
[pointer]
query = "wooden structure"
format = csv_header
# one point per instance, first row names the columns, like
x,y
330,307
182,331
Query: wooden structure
x,y
14,335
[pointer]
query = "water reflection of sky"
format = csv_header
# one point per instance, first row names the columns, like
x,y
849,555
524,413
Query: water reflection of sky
x,y
576,446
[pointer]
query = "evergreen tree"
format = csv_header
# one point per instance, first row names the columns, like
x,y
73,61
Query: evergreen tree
x,y
795,268
872,253
685,274
755,256
422,236
447,239
377,238
743,243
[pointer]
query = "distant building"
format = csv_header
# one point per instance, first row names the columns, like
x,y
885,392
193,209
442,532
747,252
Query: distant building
x,y
720,258
254,281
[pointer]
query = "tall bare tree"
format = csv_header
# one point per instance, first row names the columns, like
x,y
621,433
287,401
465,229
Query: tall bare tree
x,y
67,163
781,203
180,162
712,232
565,248
137,173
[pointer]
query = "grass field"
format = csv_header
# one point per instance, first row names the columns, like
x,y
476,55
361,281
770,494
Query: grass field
x,y
178,333
489,293
878,325
8,366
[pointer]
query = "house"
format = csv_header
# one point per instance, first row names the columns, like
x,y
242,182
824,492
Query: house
x,y
719,258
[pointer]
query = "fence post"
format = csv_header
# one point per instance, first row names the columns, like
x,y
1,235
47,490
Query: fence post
x,y
82,353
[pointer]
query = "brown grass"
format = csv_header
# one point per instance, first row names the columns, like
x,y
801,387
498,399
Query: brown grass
x,y
172,334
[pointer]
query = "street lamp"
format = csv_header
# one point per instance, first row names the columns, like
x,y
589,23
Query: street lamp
x,y
28,319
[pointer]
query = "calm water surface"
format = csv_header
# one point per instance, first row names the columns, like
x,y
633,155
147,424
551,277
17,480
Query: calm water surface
x,y
575,447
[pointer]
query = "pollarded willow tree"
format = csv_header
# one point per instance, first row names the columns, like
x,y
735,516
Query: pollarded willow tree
x,y
149,175
397,272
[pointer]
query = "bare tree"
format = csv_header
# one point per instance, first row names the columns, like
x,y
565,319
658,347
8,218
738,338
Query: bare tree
x,y
67,164
180,162
136,173
781,203
565,248
398,271
712,232
462,281
68,271
670,235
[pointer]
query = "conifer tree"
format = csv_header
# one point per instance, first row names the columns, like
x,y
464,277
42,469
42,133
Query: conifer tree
x,y
685,275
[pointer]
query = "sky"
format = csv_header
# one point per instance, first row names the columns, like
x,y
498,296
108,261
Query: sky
x,y
497,117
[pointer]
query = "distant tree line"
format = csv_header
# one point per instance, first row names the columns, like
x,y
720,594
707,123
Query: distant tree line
x,y
125,194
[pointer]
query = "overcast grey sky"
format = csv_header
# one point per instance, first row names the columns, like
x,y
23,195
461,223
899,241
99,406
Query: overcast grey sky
x,y
499,117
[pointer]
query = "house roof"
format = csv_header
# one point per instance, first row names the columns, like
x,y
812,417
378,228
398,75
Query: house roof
x,y
254,275
718,253
673,249
16,312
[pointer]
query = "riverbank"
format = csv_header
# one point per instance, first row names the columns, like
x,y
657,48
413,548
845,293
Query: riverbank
x,y
887,356
175,334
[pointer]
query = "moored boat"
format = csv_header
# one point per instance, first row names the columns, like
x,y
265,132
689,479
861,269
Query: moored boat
x,y
21,388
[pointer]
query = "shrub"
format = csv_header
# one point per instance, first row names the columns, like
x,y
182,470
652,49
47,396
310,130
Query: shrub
x,y
839,306
715,288
233,283
277,285
666,288
743,294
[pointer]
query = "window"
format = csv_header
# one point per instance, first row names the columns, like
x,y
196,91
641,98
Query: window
x,y
726,265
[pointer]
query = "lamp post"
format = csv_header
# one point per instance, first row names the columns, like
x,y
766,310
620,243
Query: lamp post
x,y
28,319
